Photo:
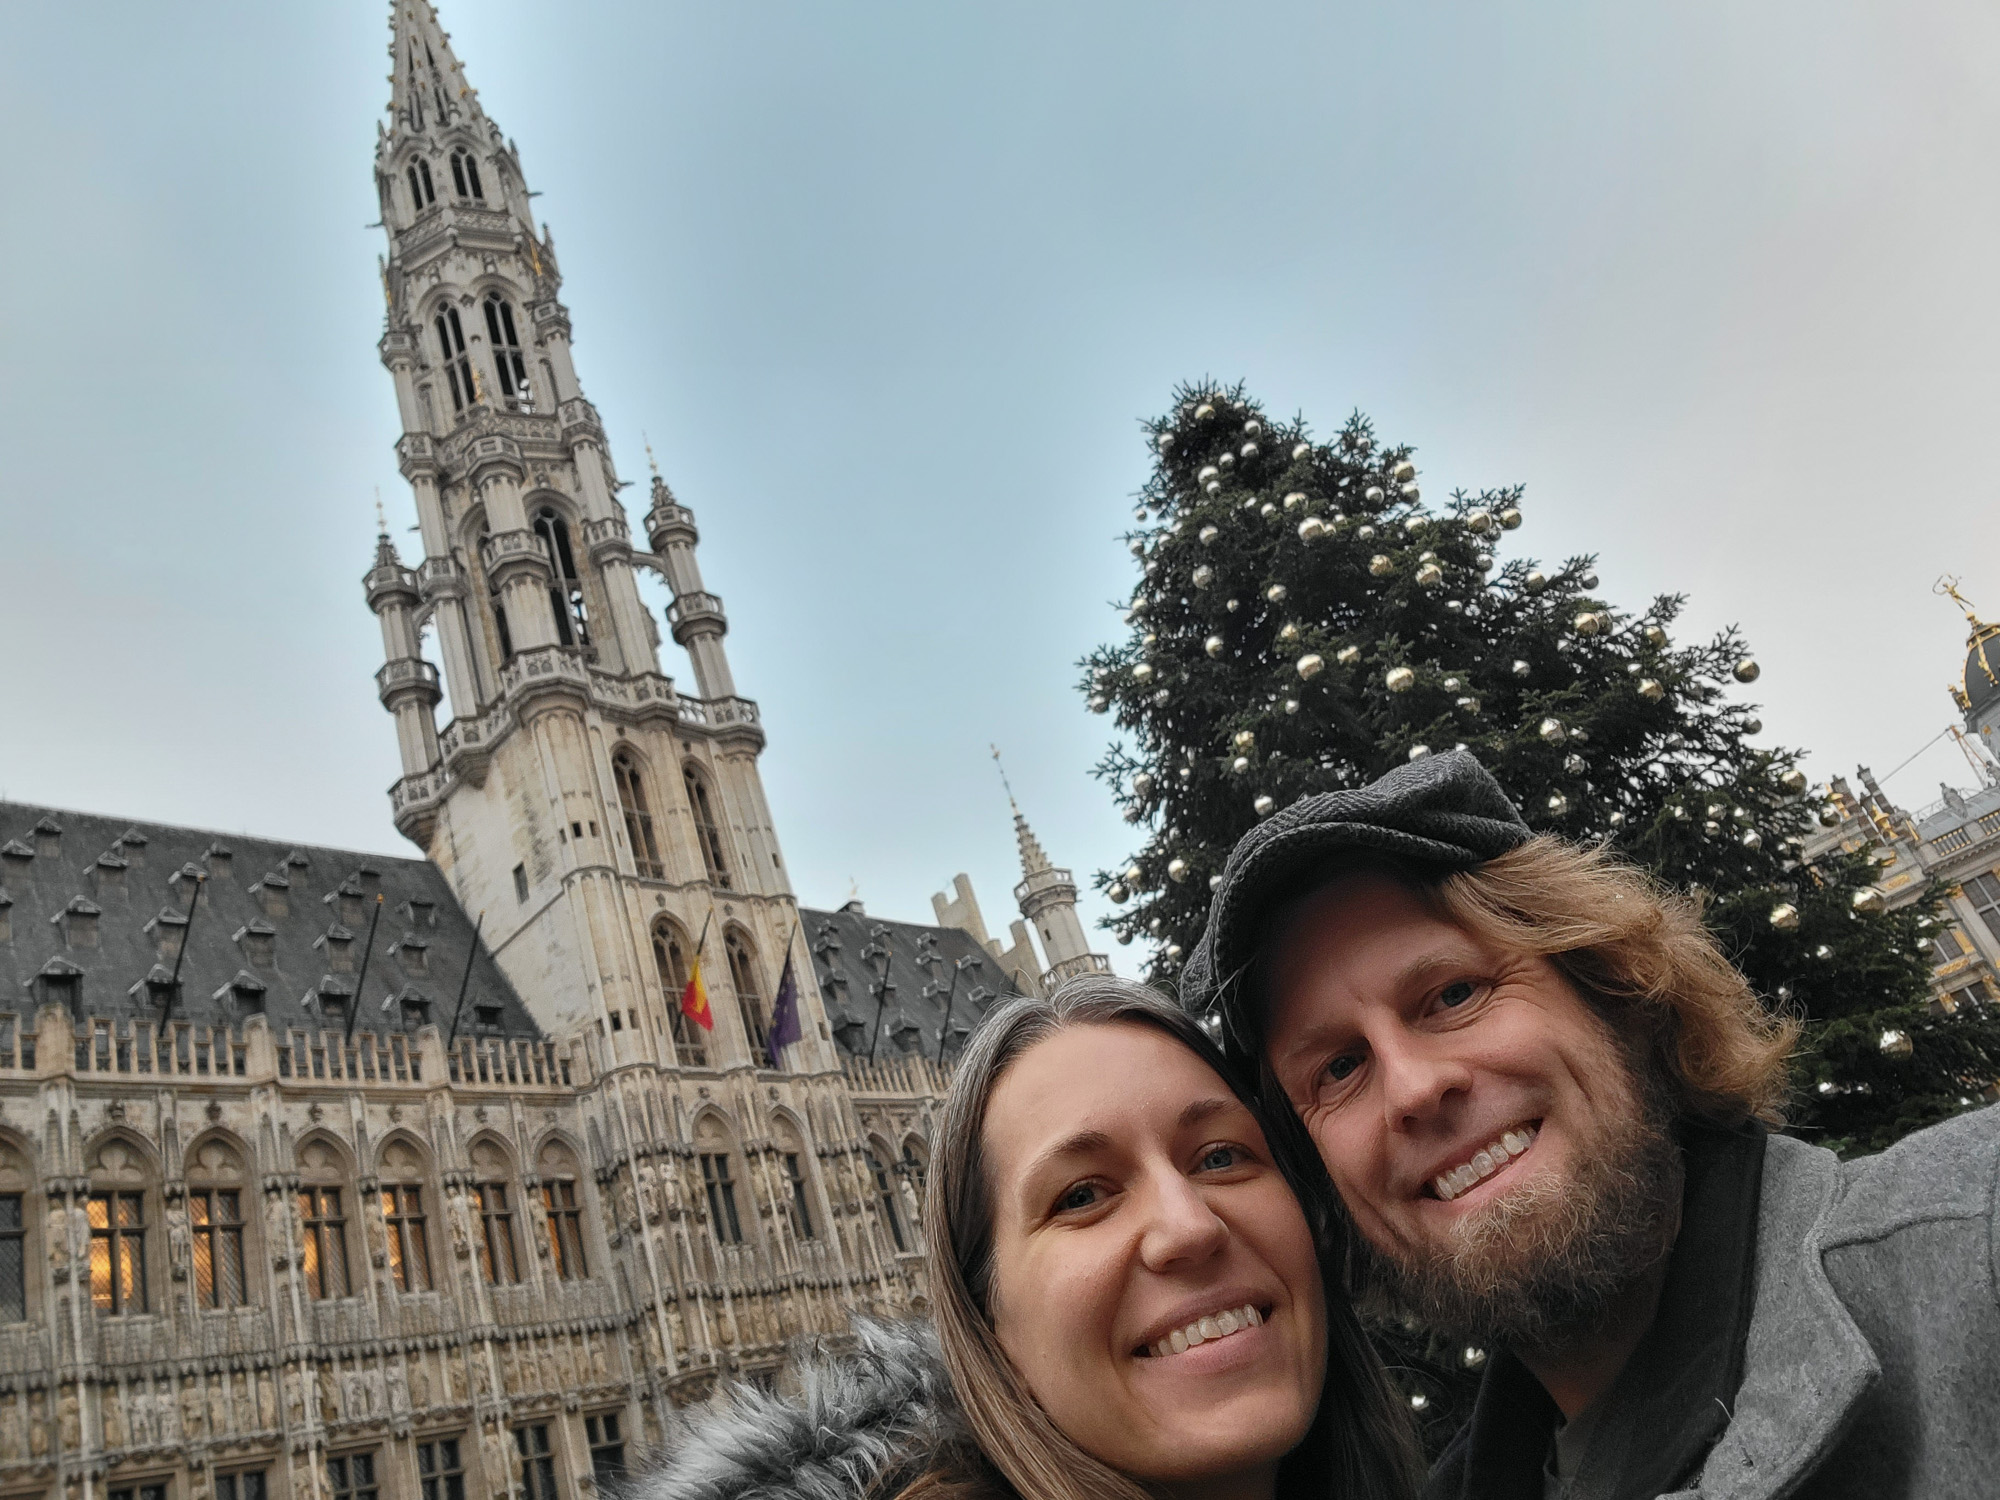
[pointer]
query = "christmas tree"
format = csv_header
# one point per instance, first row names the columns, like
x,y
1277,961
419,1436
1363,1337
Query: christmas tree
x,y
1305,621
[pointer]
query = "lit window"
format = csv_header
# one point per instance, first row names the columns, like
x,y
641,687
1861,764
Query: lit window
x,y
565,1229
325,1232
117,1252
496,1243
409,1252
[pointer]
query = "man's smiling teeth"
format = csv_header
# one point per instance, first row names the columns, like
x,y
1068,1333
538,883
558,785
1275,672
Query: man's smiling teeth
x,y
1489,1159
1207,1330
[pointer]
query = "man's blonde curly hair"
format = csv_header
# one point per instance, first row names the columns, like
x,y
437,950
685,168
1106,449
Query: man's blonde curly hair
x,y
1640,953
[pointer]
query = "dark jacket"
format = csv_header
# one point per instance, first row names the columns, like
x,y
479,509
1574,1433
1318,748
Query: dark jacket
x,y
868,1422
1827,1330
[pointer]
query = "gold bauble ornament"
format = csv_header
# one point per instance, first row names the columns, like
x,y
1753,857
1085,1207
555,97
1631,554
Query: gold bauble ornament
x,y
1785,917
1310,665
1380,565
1399,679
1747,670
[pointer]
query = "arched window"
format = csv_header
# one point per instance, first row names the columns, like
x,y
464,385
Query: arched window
x,y
885,1196
670,957
718,1181
562,1200
465,175
749,995
507,361
323,1221
638,816
457,363
409,1248
566,593
216,1187
498,606
707,832
422,195
792,1156
118,1211
496,1214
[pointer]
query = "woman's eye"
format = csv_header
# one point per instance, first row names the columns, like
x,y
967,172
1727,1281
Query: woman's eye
x,y
1218,1158
1081,1196
1456,993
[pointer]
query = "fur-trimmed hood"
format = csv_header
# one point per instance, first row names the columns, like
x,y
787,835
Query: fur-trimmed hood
x,y
865,1423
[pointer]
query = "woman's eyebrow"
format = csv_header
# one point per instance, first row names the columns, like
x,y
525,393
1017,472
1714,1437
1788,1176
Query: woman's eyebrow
x,y
1083,1143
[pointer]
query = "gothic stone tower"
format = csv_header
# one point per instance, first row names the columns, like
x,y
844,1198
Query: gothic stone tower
x,y
602,821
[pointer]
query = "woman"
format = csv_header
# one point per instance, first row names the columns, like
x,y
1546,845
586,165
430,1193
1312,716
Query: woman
x,y
1127,1294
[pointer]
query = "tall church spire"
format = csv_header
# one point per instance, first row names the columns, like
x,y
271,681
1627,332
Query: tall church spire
x,y
427,87
1047,898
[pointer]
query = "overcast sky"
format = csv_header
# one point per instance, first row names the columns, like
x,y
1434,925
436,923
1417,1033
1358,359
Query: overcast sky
x,y
889,287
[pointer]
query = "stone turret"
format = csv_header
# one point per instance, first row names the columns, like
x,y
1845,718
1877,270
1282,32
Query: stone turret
x,y
1047,898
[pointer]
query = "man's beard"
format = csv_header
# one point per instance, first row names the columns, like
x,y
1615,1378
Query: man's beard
x,y
1543,1262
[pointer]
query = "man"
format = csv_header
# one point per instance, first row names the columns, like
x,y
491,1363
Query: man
x,y
1542,1094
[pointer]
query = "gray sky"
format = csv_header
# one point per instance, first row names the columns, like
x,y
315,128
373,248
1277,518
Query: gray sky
x,y
889,285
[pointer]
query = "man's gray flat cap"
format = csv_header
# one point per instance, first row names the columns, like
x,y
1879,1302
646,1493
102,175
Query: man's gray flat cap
x,y
1442,812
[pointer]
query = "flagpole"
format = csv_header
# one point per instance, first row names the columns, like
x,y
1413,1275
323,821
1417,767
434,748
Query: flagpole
x,y
770,1047
464,980
362,979
187,931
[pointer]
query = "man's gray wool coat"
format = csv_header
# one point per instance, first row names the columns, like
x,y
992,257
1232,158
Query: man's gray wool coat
x,y
1872,1367
864,1423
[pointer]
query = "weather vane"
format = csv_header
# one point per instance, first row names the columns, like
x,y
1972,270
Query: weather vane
x,y
1002,769
654,462
1947,585
381,518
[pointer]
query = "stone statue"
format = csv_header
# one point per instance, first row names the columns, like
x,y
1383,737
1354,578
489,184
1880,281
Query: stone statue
x,y
180,1243
420,1387
295,1398
267,1402
597,1363
70,1416
329,1399
458,1211
10,1433
278,1231
497,1460
58,1241
38,1427
218,1407
538,1211
190,1410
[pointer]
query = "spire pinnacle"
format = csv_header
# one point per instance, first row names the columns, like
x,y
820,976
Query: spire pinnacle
x,y
652,462
1033,860
1947,585
381,517
427,86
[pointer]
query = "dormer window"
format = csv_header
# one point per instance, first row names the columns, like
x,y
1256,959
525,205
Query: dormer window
x,y
337,943
187,877
465,175
109,873
457,363
487,1015
6,917
413,953
168,928
421,914
245,992
60,983
161,988
258,941
422,194
330,998
131,846
297,861
416,1009
78,921
274,895
219,856
349,902
15,857
48,837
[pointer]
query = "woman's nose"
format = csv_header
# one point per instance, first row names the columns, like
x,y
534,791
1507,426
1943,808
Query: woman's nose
x,y
1180,1226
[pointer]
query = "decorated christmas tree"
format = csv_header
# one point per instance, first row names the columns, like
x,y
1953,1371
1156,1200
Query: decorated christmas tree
x,y
1305,620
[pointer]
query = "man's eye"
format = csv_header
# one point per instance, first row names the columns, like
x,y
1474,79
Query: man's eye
x,y
1456,993
1341,1066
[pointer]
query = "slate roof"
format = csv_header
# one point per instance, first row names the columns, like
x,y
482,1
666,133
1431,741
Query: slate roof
x,y
300,899
846,947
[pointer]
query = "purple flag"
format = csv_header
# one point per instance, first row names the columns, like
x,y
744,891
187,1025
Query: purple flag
x,y
785,1014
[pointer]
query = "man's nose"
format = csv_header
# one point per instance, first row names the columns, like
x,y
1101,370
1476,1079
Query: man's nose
x,y
1181,1227
1421,1075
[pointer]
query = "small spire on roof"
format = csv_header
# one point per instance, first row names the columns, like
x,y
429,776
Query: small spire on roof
x,y
1033,860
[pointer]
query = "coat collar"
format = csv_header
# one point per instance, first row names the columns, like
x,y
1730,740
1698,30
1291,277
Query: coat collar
x,y
1806,1365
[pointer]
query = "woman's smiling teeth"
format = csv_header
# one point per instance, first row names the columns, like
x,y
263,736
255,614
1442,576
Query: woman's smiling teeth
x,y
1207,1330
1487,1160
